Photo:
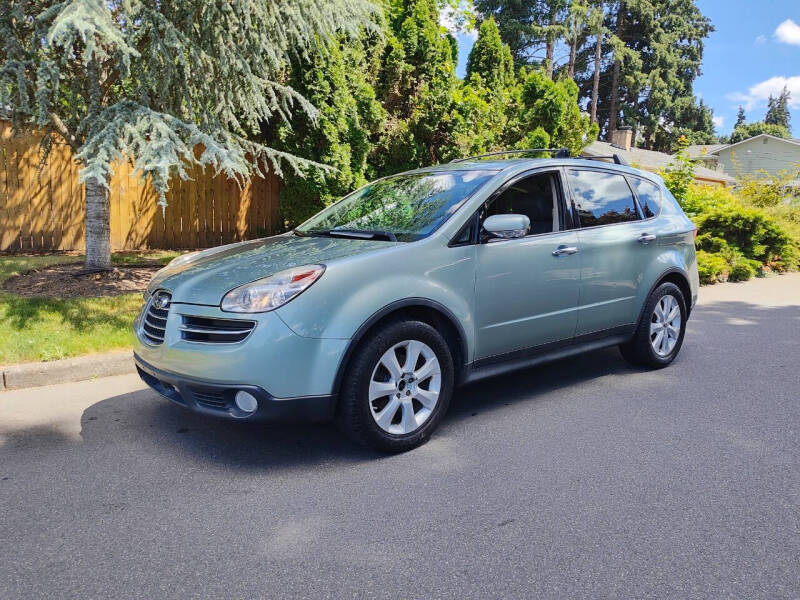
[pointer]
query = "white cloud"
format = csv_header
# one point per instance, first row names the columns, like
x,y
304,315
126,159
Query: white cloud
x,y
758,94
718,121
760,40
453,20
788,32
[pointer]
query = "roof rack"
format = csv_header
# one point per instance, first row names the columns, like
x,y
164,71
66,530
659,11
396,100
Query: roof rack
x,y
618,160
557,153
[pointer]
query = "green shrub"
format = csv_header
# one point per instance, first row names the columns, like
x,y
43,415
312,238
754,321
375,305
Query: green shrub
x,y
710,243
741,271
712,268
750,231
704,198
758,267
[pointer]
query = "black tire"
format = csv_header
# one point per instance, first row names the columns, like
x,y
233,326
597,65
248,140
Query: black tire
x,y
354,415
639,351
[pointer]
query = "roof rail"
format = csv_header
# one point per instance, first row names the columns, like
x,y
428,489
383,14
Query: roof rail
x,y
557,153
618,160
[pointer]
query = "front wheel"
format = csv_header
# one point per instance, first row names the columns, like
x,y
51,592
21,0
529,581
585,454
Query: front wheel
x,y
660,332
397,388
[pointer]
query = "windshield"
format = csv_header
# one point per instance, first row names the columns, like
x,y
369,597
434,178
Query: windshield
x,y
403,208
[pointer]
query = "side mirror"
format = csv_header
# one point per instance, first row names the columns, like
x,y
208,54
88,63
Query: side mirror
x,y
507,226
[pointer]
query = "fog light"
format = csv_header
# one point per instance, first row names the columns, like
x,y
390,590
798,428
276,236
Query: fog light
x,y
246,402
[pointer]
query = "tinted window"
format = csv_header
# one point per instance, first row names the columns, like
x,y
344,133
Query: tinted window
x,y
534,197
649,196
602,198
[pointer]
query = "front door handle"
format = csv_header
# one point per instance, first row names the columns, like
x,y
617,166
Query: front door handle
x,y
564,250
645,238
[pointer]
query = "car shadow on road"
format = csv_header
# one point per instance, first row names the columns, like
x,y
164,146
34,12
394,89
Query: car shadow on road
x,y
146,418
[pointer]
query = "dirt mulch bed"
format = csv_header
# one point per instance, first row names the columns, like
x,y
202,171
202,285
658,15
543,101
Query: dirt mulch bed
x,y
69,281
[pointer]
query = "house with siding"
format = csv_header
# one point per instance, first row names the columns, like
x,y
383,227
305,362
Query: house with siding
x,y
751,156
650,160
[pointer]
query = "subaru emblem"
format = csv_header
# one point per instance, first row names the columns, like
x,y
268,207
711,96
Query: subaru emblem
x,y
161,300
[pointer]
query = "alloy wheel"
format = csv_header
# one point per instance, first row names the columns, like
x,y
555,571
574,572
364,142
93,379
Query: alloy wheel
x,y
665,325
404,387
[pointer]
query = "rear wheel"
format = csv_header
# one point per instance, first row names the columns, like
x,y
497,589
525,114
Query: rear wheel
x,y
397,388
659,336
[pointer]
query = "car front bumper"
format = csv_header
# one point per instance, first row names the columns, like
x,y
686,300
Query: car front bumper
x,y
290,376
217,399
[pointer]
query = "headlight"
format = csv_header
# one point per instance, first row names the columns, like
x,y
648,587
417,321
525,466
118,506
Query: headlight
x,y
271,292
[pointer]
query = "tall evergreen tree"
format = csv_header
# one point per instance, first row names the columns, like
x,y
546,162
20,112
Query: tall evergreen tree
x,y
649,64
778,110
417,86
741,118
339,82
531,28
151,80
490,57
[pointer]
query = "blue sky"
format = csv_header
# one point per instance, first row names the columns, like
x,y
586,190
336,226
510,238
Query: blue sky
x,y
754,51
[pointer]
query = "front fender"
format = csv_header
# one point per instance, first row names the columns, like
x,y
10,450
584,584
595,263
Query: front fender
x,y
355,289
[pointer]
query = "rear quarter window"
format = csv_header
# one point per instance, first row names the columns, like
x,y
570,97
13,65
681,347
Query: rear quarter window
x,y
649,195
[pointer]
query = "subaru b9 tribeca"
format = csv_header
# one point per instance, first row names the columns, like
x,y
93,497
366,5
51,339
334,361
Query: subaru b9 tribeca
x,y
375,309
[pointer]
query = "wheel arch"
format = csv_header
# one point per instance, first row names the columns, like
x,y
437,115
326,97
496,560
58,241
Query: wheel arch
x,y
679,278
423,309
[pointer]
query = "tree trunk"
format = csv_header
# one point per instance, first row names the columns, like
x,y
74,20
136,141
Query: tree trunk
x,y
98,227
551,44
572,49
614,104
598,55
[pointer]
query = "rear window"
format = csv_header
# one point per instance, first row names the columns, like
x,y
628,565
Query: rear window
x,y
602,198
649,196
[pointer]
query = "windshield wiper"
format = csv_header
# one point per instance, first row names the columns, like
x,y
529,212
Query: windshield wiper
x,y
357,234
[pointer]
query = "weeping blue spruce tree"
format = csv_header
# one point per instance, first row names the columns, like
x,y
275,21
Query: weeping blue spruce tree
x,y
150,80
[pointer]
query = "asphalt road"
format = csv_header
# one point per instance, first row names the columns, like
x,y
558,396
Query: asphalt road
x,y
584,478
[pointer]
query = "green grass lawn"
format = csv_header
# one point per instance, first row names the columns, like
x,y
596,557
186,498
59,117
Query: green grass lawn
x,y
34,329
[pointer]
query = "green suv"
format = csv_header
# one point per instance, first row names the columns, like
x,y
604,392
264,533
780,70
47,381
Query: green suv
x,y
373,311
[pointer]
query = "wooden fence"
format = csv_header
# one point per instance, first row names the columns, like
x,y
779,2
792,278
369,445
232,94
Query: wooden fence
x,y
42,205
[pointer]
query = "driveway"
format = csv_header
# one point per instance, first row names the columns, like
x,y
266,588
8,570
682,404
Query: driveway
x,y
584,478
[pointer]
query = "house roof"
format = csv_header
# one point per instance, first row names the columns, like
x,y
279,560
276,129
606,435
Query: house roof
x,y
700,150
650,160
759,136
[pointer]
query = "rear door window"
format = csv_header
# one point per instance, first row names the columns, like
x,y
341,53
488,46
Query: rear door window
x,y
649,196
602,198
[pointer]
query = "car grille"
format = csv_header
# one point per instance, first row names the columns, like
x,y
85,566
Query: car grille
x,y
215,331
155,319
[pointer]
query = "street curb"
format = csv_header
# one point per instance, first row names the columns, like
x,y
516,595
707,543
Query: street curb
x,y
27,375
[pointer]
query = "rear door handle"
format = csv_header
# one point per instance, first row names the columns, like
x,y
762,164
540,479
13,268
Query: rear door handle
x,y
645,238
564,250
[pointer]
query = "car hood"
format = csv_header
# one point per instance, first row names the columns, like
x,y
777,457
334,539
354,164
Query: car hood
x,y
206,276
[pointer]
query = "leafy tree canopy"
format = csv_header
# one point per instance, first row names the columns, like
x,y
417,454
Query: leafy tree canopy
x,y
744,132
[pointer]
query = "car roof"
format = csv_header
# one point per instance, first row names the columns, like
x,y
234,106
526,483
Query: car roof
x,y
522,164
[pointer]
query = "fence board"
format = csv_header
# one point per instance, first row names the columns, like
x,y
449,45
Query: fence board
x,y
42,204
